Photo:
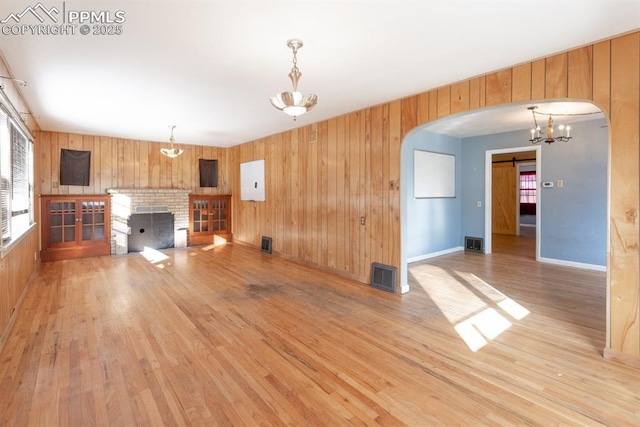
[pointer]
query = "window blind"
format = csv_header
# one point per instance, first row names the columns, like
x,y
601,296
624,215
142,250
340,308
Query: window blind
x,y
20,172
5,175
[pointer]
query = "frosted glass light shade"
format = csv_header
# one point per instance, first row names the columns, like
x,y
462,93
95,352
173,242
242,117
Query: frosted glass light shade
x,y
294,103
171,152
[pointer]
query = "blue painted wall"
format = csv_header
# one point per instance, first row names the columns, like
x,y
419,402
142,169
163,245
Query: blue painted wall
x,y
434,224
573,218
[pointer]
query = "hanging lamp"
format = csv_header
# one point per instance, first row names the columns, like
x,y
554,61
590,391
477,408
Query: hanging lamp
x,y
171,152
294,103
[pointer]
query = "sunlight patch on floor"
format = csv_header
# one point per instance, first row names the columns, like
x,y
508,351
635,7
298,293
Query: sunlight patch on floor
x,y
477,310
154,256
217,241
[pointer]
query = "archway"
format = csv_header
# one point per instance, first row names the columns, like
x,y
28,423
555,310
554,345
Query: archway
x,y
469,201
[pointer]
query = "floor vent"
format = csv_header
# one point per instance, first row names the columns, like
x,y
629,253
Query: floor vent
x,y
266,244
474,244
383,277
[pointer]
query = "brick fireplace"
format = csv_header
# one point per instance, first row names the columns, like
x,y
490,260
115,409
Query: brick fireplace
x,y
125,202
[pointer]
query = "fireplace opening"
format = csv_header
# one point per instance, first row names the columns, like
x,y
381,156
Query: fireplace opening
x,y
151,230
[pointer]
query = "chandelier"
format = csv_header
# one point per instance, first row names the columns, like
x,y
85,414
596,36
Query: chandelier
x,y
294,103
537,136
171,152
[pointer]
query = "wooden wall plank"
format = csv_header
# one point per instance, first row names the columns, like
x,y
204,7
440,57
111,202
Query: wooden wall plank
x,y
106,163
314,203
287,192
409,114
498,88
460,97
422,114
143,177
365,202
474,93
382,239
323,201
521,83
444,101
580,65
355,194
45,164
332,192
294,183
92,144
433,105
397,127
538,73
556,70
376,227
602,76
62,142
625,193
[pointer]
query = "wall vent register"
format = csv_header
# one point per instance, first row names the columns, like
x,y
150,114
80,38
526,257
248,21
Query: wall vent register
x,y
383,277
474,244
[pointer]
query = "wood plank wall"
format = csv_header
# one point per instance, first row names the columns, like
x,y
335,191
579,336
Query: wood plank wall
x,y
18,264
318,191
125,163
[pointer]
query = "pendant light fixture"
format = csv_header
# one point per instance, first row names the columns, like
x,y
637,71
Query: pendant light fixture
x,y
536,136
294,103
171,152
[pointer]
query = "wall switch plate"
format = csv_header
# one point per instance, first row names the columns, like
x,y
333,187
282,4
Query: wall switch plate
x,y
362,220
547,184
313,136
560,183
479,204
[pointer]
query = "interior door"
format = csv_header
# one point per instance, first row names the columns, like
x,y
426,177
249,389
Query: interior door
x,y
504,185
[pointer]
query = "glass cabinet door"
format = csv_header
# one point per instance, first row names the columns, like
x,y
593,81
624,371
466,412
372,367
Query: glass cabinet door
x,y
62,221
200,212
219,214
209,215
93,220
75,226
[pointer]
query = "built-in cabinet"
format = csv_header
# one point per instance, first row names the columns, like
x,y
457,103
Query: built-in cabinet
x,y
75,226
209,219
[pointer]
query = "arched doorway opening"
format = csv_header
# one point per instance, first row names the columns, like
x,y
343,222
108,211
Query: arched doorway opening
x,y
435,227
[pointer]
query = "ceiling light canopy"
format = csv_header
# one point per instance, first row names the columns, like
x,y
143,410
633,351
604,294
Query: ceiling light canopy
x,y
294,103
171,152
536,136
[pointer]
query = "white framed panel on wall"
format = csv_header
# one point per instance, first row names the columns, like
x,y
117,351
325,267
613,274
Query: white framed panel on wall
x,y
252,182
434,175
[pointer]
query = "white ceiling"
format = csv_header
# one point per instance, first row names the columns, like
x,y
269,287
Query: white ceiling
x,y
211,67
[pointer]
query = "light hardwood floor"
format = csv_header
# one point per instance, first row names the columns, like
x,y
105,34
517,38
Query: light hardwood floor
x,y
231,336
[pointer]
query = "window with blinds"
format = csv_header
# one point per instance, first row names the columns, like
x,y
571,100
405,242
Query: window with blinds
x,y
16,175
5,175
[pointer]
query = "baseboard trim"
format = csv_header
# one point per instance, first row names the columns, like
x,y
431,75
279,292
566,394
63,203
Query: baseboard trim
x,y
573,264
620,357
434,254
